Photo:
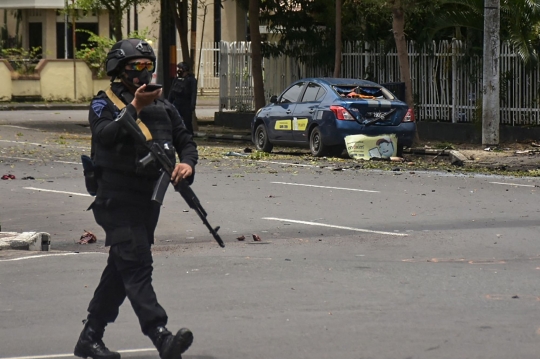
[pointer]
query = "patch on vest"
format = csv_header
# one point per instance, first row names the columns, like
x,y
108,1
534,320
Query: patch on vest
x,y
98,106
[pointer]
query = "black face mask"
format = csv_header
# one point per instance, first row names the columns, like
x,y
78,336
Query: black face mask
x,y
137,78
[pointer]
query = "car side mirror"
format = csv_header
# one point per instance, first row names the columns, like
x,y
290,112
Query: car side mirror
x,y
273,99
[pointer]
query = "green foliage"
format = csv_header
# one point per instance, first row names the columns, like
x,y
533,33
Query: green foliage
x,y
306,28
95,52
116,9
259,155
520,24
23,61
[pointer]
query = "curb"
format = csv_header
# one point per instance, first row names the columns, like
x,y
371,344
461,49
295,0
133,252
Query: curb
x,y
29,107
222,136
32,241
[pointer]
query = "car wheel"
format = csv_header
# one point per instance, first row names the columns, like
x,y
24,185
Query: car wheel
x,y
261,139
315,143
336,151
399,152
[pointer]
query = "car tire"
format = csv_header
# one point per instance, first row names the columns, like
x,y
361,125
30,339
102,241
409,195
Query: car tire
x,y
316,146
262,143
336,151
399,152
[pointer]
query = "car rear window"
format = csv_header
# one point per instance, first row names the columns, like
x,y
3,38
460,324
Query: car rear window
x,y
364,92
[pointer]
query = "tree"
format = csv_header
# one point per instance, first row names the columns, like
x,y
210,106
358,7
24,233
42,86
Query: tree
x,y
398,28
337,61
116,9
520,20
256,55
180,10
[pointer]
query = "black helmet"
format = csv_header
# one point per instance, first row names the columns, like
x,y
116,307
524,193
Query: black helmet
x,y
184,66
125,50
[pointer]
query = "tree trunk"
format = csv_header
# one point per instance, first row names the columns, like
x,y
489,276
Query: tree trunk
x,y
179,11
337,60
256,56
117,16
398,27
490,77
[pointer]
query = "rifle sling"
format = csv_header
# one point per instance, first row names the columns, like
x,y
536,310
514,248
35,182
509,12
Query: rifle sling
x,y
120,105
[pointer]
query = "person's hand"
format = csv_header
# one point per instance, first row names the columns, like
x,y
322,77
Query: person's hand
x,y
143,98
181,171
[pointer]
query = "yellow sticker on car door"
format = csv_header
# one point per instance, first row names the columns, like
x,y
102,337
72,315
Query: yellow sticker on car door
x,y
299,124
283,125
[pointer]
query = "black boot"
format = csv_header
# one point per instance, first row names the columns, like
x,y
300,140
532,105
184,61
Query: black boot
x,y
90,344
169,346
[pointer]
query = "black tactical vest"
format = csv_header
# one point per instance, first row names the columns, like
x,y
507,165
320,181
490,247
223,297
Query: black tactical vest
x,y
125,155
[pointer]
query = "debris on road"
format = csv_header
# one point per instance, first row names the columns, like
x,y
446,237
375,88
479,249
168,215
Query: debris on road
x,y
241,238
8,177
87,238
236,154
256,237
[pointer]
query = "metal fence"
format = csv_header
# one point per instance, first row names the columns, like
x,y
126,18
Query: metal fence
x,y
236,81
447,83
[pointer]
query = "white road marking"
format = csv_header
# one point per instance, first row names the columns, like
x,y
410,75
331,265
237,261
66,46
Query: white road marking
x,y
53,356
514,184
21,127
333,226
286,164
69,162
47,255
25,143
54,191
37,159
328,187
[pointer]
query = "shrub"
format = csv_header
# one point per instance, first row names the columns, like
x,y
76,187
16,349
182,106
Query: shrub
x,y
95,52
23,61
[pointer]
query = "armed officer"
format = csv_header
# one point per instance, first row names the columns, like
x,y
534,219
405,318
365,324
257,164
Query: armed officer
x,y
183,94
123,205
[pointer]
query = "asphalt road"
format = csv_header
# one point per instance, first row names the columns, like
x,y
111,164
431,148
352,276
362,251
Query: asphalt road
x,y
352,264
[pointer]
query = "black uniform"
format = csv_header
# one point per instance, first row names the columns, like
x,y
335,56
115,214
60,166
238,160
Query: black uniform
x,y
123,205
183,96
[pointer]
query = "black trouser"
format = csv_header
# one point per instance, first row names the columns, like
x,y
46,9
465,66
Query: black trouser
x,y
130,231
187,116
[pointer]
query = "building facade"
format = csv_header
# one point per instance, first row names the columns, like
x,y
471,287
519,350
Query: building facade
x,y
45,24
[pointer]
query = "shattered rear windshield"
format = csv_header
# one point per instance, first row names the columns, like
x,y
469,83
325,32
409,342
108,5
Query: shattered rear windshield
x,y
364,92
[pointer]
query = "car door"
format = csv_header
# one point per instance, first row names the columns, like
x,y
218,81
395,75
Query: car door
x,y
281,115
304,111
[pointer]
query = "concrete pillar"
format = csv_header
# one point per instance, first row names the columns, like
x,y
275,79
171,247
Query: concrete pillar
x,y
103,23
49,34
233,22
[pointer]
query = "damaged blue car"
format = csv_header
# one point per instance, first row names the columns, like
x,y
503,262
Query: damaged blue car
x,y
321,112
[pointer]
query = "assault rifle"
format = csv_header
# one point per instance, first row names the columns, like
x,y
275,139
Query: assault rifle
x,y
141,135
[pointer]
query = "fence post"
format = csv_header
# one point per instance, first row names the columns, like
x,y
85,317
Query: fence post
x,y
454,82
223,73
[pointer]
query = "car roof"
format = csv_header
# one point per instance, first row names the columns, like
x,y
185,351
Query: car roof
x,y
334,81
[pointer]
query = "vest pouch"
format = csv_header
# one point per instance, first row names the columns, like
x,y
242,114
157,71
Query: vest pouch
x,y
90,175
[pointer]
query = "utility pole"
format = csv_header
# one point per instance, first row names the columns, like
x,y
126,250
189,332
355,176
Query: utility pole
x,y
490,77
74,35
